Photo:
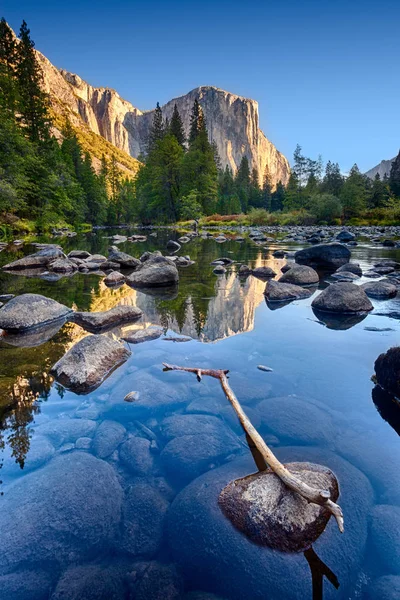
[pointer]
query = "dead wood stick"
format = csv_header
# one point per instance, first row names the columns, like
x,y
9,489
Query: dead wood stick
x,y
320,497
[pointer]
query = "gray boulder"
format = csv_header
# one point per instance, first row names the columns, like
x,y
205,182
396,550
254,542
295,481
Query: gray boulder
x,y
83,254
108,437
26,585
385,526
88,363
143,518
28,311
63,265
209,548
344,298
172,245
114,279
65,512
261,507
387,369
345,236
192,424
350,268
66,430
89,582
123,259
144,335
101,321
345,276
328,256
300,275
275,291
136,455
263,272
40,259
156,271
380,289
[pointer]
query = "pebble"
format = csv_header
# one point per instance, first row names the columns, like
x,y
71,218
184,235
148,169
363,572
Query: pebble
x,y
264,368
131,397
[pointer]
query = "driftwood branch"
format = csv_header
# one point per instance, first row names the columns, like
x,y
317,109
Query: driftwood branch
x,y
320,497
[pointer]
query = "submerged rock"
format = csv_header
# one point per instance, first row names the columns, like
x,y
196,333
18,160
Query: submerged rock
x,y
300,275
66,511
31,310
343,297
90,582
156,581
384,588
275,291
387,369
328,256
144,335
269,514
156,271
108,437
380,289
385,525
136,455
101,321
89,362
26,585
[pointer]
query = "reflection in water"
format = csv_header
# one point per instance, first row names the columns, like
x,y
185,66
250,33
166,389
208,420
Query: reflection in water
x,y
388,407
340,322
318,570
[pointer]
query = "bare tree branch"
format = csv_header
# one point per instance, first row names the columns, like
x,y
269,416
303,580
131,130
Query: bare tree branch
x,y
320,497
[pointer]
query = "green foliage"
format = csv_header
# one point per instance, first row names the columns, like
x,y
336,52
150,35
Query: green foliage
x,y
394,178
326,208
176,127
190,207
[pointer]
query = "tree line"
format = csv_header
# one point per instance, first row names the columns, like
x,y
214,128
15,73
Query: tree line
x,y
42,179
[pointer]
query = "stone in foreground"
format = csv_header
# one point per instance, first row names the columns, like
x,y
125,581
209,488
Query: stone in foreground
x,y
101,321
326,256
156,271
269,514
343,297
275,291
144,335
387,369
88,363
31,310
380,289
300,275
263,272
40,259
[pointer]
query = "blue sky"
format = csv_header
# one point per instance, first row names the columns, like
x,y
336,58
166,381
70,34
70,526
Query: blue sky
x,y
326,74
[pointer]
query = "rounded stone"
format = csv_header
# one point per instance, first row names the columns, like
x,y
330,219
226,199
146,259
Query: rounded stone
x,y
107,438
380,289
136,455
300,275
342,297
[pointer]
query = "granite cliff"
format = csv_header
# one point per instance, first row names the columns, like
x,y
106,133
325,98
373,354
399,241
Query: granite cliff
x,y
383,169
232,120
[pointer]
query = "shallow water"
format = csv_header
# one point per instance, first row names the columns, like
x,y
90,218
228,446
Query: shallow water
x,y
119,500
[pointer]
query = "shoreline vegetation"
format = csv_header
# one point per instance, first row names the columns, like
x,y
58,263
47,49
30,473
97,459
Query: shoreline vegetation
x,y
50,178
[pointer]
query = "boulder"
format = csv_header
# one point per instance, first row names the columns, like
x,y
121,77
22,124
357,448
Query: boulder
x,y
66,430
219,270
136,455
156,581
24,585
108,437
123,259
263,272
261,507
345,276
88,363
244,271
28,311
275,291
101,321
89,582
209,548
143,518
63,265
350,268
385,526
40,259
156,271
380,289
79,254
387,369
300,275
174,246
278,254
194,424
345,236
67,511
327,256
146,255
144,335
114,278
383,270
342,297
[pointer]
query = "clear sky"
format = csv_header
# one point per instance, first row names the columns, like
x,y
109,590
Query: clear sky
x,y
326,73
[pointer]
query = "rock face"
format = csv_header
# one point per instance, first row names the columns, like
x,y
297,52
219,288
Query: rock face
x,y
88,363
275,291
387,369
28,311
328,256
156,271
262,508
100,321
344,298
65,511
383,169
232,121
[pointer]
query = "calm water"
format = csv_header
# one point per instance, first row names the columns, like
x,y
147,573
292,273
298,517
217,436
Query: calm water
x,y
108,499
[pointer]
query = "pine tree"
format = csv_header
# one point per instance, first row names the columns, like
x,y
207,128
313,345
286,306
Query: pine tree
x,y
8,87
278,198
394,177
354,193
196,121
266,191
380,193
32,101
114,178
176,128
255,196
242,183
333,180
157,129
